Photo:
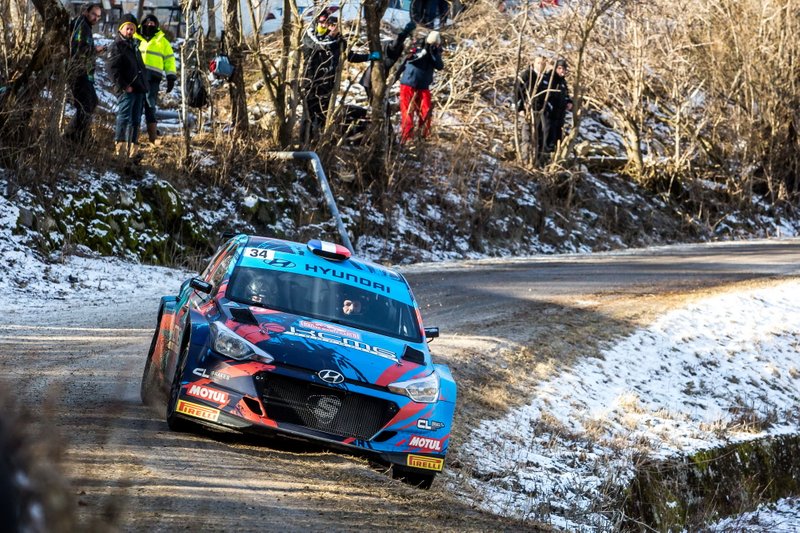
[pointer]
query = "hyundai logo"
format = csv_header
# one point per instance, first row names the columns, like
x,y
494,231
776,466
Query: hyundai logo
x,y
330,376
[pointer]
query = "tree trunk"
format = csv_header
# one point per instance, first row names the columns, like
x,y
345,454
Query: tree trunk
x,y
50,51
212,19
233,46
377,137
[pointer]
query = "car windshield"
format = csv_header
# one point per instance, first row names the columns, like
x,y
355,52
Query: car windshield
x,y
324,299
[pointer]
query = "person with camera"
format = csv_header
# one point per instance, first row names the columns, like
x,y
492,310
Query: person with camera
x,y
415,95
323,48
80,70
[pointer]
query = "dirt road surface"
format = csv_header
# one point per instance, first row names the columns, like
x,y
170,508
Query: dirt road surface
x,y
504,323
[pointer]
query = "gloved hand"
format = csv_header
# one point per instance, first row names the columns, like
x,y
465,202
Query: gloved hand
x,y
374,56
170,83
408,28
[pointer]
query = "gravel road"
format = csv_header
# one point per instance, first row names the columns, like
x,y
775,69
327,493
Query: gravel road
x,y
79,373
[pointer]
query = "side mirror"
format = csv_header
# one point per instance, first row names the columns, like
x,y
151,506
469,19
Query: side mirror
x,y
431,333
201,286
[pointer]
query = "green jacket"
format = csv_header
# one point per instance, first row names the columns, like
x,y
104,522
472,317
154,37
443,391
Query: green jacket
x,y
157,54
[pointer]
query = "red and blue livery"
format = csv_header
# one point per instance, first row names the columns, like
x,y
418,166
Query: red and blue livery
x,y
309,342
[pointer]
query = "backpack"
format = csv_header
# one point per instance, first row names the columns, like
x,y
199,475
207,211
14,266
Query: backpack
x,y
221,67
196,92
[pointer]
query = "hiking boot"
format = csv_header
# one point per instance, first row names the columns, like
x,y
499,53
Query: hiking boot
x,y
152,133
134,154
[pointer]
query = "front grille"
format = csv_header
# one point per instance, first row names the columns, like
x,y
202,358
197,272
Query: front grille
x,y
322,408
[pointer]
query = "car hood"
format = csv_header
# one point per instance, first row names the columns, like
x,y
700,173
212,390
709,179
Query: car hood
x,y
315,345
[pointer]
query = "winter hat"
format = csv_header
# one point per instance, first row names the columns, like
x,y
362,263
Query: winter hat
x,y
150,18
433,38
125,20
561,63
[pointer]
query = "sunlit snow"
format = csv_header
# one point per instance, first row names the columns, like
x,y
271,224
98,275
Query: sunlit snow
x,y
720,370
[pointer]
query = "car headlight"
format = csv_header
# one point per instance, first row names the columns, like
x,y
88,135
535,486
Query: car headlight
x,y
229,344
421,390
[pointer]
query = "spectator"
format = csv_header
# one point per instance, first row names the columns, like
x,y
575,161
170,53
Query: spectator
x,y
415,94
391,51
525,100
322,48
128,74
426,12
553,98
159,61
82,55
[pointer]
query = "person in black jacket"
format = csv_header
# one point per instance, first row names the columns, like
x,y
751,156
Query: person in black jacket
x,y
525,99
82,55
323,47
415,94
128,74
391,51
553,98
425,12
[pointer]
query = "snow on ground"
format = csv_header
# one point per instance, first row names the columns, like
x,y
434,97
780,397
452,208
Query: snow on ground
x,y
720,370
71,284
778,517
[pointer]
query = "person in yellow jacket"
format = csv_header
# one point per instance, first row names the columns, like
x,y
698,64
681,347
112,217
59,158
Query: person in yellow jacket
x,y
159,60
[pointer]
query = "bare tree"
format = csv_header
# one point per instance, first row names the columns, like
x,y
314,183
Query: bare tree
x,y
233,44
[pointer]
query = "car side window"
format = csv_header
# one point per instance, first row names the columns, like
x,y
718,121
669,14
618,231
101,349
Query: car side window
x,y
219,272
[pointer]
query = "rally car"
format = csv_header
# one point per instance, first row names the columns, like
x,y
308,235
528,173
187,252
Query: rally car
x,y
306,341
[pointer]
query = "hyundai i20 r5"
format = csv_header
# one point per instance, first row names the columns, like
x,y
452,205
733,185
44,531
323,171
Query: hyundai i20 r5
x,y
303,340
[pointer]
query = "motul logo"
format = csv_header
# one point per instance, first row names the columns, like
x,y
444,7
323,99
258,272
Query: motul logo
x,y
426,444
198,391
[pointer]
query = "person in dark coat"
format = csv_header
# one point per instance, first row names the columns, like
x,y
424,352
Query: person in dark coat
x,y
323,48
128,73
425,12
553,98
415,82
525,99
391,51
80,72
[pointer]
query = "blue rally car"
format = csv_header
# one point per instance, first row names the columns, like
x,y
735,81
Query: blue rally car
x,y
303,340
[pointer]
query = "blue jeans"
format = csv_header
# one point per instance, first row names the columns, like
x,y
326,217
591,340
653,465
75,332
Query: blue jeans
x,y
129,117
150,101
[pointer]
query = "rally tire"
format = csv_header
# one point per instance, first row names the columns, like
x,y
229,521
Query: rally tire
x,y
415,478
148,386
174,420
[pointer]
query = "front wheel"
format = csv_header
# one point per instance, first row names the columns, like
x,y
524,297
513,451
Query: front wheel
x,y
174,421
148,385
415,478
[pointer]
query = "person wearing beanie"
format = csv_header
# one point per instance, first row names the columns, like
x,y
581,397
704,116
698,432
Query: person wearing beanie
x,y
322,54
554,101
415,94
127,71
80,71
159,62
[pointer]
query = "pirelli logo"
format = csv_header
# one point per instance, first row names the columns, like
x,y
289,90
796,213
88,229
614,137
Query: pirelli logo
x,y
197,411
428,463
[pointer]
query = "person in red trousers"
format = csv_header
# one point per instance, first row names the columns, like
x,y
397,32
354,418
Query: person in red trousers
x,y
415,94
